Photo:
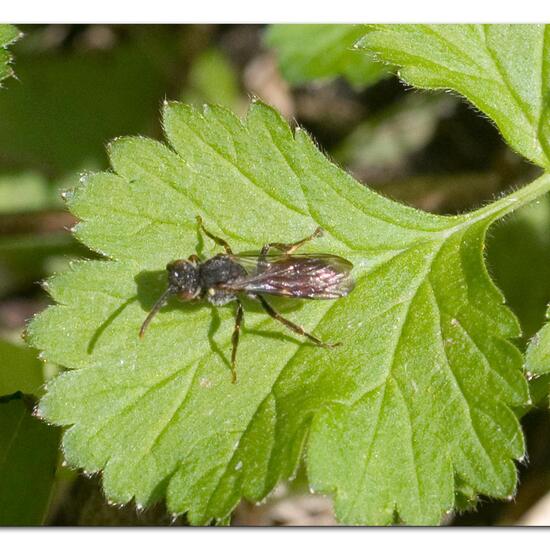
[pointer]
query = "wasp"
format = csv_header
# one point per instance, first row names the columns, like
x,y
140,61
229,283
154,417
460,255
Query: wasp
x,y
226,277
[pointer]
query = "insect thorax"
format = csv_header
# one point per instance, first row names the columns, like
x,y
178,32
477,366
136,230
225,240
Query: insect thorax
x,y
217,270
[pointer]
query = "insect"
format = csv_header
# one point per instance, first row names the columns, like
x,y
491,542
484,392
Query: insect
x,y
225,277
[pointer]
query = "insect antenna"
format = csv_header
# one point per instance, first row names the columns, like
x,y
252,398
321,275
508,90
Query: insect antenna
x,y
156,308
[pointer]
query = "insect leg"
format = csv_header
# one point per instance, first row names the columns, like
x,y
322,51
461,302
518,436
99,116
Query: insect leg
x,y
292,247
217,240
235,340
292,326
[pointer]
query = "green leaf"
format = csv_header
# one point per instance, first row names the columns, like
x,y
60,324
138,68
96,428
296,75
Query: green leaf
x,y
28,457
419,391
20,370
504,70
537,359
315,52
8,35
523,240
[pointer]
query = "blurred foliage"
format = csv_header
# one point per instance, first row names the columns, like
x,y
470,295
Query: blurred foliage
x,y
213,79
28,458
389,138
76,99
25,191
80,86
26,259
317,52
20,370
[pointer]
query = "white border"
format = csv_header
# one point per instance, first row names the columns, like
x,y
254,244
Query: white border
x,y
258,11
221,538
235,11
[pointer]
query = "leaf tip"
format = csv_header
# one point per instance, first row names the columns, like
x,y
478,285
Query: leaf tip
x,y
112,144
44,285
36,412
67,195
171,105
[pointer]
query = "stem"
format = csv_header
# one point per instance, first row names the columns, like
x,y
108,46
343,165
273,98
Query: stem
x,y
513,201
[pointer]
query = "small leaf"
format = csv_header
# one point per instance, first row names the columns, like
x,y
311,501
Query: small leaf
x,y
28,457
537,359
419,391
8,35
523,240
504,70
315,52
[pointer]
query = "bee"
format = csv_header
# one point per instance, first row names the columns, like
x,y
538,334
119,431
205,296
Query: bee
x,y
226,277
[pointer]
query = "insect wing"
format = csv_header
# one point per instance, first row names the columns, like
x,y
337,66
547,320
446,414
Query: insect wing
x,y
315,276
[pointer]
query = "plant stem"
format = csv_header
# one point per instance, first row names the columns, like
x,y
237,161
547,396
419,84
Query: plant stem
x,y
513,201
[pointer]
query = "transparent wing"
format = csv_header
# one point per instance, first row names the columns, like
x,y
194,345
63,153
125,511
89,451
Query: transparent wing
x,y
314,276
